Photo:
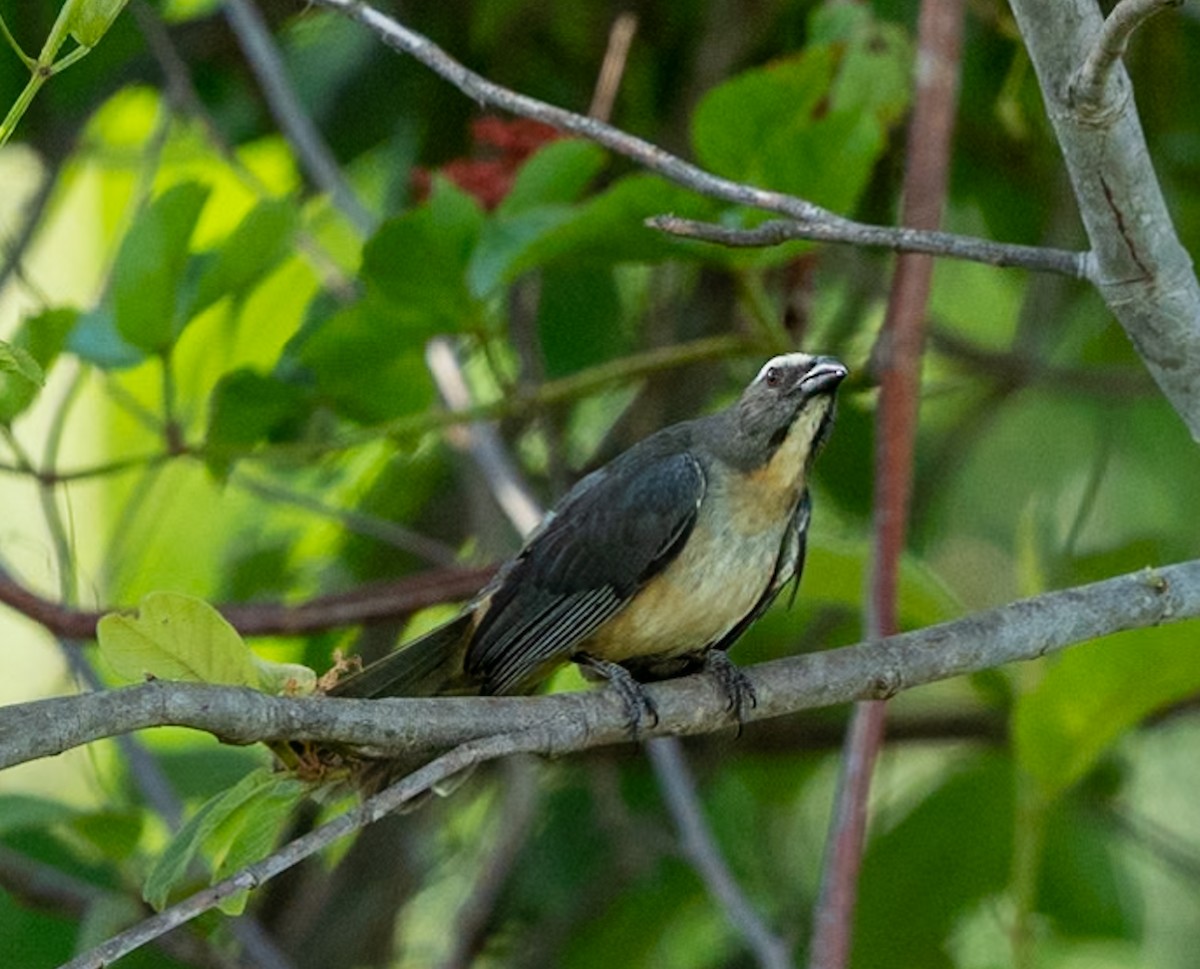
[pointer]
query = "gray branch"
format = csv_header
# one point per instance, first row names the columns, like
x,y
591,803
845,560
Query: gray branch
x,y
679,788
570,722
265,60
1089,84
501,726
1142,271
1077,265
813,221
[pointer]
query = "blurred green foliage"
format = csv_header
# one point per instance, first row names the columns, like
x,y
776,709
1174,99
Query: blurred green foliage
x,y
235,381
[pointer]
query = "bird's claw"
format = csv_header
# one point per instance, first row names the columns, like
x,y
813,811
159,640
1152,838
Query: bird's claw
x,y
740,696
639,708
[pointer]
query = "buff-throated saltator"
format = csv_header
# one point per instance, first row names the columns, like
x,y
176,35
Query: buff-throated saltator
x,y
651,566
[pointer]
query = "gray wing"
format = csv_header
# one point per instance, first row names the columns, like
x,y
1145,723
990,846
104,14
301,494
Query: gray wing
x,y
612,533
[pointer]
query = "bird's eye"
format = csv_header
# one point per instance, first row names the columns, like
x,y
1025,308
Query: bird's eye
x,y
773,378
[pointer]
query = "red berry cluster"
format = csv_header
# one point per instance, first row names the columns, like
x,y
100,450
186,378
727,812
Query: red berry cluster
x,y
500,148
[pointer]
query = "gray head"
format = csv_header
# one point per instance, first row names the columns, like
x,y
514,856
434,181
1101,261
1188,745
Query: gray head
x,y
792,392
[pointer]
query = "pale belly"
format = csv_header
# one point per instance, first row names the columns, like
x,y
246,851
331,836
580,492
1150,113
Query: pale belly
x,y
700,597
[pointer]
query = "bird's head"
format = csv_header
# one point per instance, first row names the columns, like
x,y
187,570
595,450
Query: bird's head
x,y
790,401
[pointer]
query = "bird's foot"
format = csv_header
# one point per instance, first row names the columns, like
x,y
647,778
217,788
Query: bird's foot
x,y
638,706
740,697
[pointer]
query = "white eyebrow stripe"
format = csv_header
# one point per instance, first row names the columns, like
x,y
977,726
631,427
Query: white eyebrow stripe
x,y
784,360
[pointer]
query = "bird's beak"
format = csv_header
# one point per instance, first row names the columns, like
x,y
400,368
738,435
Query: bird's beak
x,y
823,377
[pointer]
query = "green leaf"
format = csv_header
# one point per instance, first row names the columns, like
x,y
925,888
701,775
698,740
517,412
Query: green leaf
x,y
1082,883
96,340
286,679
918,880
367,364
418,262
150,266
609,228
19,361
247,407
91,19
579,318
812,125
220,826
176,637
258,243
250,830
23,363
735,121
558,173
23,811
1091,695
502,243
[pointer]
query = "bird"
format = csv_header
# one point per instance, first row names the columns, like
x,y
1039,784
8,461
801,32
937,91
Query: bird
x,y
650,567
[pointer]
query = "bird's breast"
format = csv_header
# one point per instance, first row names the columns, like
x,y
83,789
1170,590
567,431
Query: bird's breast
x,y
716,580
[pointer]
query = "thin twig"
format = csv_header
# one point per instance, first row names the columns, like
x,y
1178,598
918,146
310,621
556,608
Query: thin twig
x,y
372,603
901,341
699,846
259,47
380,529
834,228
482,442
1088,86
1077,265
517,814
296,851
612,69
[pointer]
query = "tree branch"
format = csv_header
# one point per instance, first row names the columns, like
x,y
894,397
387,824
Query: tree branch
x,y
1089,84
374,602
699,847
897,355
1142,271
259,47
822,223
1077,265
1023,630
491,727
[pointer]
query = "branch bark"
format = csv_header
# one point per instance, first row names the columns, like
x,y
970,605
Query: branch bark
x,y
898,352
568,722
564,723
812,220
376,602
1142,271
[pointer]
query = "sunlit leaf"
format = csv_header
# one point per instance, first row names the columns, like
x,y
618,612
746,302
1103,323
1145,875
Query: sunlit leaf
x,y
258,243
150,268
176,637
23,363
90,19
226,827
1091,695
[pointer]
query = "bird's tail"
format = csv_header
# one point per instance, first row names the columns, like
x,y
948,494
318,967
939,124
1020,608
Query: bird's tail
x,y
429,666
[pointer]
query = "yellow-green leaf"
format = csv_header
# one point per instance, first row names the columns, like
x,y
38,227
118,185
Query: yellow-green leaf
x,y
91,19
1093,694
176,637
289,679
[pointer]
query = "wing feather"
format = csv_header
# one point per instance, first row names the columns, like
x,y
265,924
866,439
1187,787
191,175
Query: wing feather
x,y
612,533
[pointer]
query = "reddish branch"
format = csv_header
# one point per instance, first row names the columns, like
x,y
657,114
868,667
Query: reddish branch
x,y
898,359
376,602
